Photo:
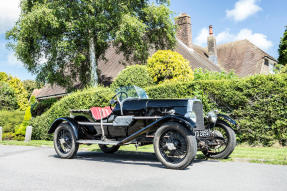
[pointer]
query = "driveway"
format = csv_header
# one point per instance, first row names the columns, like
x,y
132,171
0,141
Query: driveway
x,y
38,168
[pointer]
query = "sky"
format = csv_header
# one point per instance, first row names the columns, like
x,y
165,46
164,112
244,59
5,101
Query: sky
x,y
260,21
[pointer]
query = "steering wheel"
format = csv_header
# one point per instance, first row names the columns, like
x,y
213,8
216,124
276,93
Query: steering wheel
x,y
113,101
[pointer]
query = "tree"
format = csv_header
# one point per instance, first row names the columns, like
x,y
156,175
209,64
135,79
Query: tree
x,y
166,66
7,97
283,49
18,88
30,85
62,41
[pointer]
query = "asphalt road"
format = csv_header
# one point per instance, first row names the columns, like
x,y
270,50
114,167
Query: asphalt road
x,y
38,168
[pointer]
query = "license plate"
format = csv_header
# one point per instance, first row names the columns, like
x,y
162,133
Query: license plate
x,y
203,133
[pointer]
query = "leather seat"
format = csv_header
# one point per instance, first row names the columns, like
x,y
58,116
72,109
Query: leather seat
x,y
97,112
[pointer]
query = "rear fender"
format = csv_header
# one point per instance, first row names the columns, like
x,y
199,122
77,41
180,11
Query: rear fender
x,y
70,121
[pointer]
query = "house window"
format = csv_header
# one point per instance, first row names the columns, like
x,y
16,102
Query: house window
x,y
271,68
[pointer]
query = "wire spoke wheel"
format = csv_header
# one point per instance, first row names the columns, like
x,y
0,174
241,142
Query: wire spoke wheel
x,y
222,142
65,142
173,146
219,140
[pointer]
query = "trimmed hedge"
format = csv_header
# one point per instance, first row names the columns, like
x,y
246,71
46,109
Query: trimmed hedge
x,y
257,103
9,120
133,75
39,108
79,100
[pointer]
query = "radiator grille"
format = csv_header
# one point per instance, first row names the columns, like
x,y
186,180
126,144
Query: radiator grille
x,y
198,110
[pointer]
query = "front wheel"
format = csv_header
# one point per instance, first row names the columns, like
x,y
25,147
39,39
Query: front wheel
x,y
174,146
222,143
65,141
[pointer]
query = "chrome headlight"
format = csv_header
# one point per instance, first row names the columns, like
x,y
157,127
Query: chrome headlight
x,y
212,117
191,115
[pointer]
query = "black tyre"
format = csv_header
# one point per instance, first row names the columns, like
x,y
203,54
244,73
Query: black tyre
x,y
109,148
174,146
224,142
65,141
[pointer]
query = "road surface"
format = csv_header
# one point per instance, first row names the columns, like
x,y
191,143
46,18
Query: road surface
x,y
38,168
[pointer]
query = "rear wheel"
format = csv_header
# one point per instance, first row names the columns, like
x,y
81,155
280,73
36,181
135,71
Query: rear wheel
x,y
223,142
174,146
65,142
109,148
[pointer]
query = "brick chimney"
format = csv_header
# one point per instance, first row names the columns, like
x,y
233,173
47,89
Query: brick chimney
x,y
211,43
183,31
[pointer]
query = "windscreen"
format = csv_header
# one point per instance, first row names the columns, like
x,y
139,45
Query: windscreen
x,y
131,92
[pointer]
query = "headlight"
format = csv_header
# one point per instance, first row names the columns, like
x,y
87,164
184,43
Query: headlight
x,y
191,115
212,117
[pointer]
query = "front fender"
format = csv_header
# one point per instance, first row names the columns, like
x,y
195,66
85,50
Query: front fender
x,y
70,121
189,124
228,120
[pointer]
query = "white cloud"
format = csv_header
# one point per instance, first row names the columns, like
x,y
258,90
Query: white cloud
x,y
202,37
13,61
243,9
258,39
9,13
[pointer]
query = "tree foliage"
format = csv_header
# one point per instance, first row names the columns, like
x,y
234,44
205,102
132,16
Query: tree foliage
x,y
20,92
200,74
29,86
52,38
283,49
167,66
133,75
7,97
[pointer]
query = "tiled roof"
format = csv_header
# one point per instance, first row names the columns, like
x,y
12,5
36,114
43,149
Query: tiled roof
x,y
196,57
50,90
243,57
116,62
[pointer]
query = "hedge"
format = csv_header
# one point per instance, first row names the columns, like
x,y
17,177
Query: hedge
x,y
79,100
9,120
257,103
133,75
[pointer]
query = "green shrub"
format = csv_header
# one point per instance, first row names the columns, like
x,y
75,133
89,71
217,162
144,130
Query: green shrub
x,y
20,92
7,97
200,74
166,66
133,75
39,108
9,120
20,130
79,100
258,104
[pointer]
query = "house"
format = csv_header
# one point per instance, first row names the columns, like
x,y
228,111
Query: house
x,y
242,57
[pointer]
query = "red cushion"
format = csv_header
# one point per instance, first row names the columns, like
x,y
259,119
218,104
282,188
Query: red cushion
x,y
96,112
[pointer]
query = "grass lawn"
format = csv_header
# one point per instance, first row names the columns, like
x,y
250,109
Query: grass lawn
x,y
244,153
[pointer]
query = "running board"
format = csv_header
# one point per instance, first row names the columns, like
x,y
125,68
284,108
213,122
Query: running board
x,y
108,142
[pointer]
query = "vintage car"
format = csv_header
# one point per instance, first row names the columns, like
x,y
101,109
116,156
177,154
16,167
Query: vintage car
x,y
175,127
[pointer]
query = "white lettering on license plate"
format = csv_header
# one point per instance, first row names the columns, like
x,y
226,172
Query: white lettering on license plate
x,y
204,133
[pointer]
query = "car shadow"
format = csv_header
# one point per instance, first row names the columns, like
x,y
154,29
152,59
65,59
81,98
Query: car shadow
x,y
126,157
